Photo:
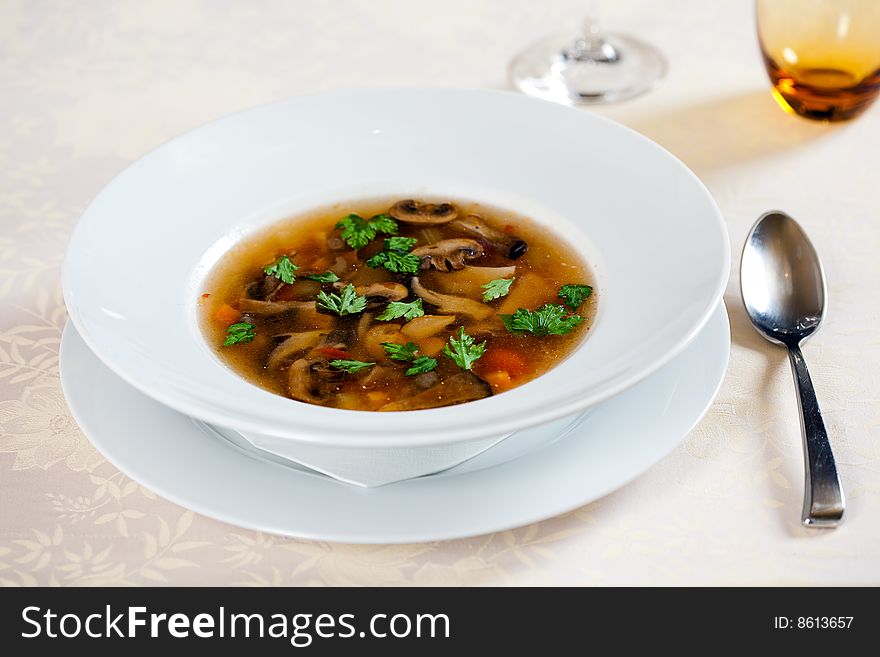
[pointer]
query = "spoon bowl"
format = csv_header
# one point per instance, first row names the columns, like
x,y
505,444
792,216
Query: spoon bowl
x,y
784,292
782,281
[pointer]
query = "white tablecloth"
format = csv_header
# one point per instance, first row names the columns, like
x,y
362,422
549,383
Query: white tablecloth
x,y
88,87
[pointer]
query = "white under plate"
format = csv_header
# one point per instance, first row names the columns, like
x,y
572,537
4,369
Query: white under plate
x,y
615,441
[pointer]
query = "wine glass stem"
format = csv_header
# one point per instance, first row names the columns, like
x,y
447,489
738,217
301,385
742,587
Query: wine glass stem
x,y
592,30
591,45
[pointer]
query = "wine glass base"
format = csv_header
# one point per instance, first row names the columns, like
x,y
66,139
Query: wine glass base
x,y
547,70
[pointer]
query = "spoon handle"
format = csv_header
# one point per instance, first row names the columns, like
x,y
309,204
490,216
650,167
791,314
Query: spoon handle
x,y
823,495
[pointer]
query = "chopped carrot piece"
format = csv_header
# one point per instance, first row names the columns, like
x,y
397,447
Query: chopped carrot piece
x,y
334,353
498,358
226,315
500,380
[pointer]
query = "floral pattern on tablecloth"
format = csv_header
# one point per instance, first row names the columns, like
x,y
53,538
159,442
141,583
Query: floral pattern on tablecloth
x,y
89,87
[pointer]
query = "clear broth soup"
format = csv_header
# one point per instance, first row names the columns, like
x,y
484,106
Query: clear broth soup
x,y
393,305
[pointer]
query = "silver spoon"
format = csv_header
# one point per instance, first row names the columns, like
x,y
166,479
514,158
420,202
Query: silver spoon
x,y
783,289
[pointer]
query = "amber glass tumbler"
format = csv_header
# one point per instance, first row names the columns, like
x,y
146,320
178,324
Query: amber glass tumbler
x,y
823,56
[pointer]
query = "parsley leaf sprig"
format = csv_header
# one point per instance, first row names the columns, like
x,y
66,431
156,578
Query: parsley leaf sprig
x,y
407,310
400,243
574,294
397,262
421,365
496,289
464,351
240,333
407,353
326,277
548,320
358,232
348,303
282,269
396,257
350,366
384,223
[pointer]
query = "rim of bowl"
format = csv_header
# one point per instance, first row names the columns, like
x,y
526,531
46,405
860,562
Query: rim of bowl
x,y
507,422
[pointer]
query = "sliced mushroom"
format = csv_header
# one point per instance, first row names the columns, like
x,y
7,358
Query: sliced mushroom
x,y
313,380
270,287
459,388
411,211
451,305
426,380
487,329
293,344
450,254
386,290
340,337
426,326
363,326
253,290
256,307
379,376
379,333
510,245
